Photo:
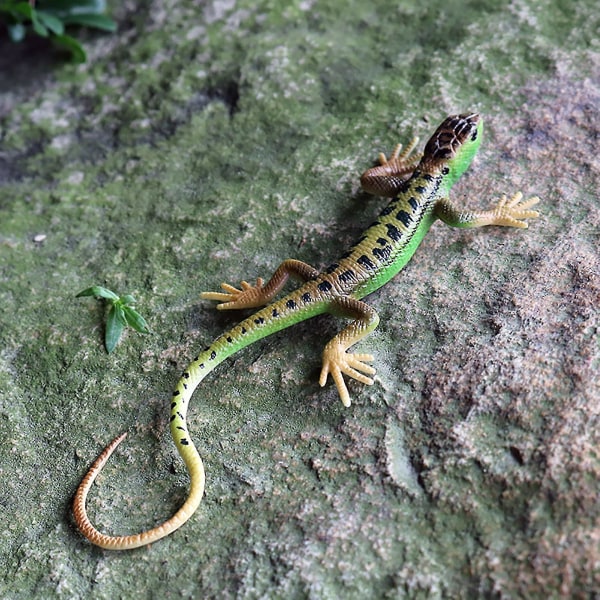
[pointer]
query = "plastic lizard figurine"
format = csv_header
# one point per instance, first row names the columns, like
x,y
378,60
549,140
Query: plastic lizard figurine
x,y
420,194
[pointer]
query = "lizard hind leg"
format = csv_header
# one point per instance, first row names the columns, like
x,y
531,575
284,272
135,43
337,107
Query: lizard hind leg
x,y
252,296
336,360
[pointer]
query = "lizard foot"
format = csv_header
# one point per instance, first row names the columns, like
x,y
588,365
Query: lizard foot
x,y
510,212
337,361
386,179
250,296
402,158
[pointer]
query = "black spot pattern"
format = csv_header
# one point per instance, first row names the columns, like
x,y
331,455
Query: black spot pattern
x,y
387,210
404,218
366,262
348,276
306,297
382,254
324,286
393,232
291,304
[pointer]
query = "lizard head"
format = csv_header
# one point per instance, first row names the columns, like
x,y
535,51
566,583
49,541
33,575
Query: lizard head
x,y
453,146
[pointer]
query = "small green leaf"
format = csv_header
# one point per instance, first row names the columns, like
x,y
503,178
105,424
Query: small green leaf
x,y
90,20
127,300
119,316
64,8
78,54
51,22
97,291
38,26
23,8
135,320
115,323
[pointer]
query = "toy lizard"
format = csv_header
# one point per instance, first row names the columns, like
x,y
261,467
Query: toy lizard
x,y
419,187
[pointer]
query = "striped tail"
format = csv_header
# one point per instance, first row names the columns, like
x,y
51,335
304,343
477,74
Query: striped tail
x,y
259,325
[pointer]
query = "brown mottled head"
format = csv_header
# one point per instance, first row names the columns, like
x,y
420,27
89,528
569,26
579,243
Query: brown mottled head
x,y
453,145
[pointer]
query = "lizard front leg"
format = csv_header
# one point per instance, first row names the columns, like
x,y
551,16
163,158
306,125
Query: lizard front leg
x,y
335,358
387,178
252,296
508,212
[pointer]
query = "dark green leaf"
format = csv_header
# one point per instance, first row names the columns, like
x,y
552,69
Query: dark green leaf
x,y
135,320
90,20
120,313
64,8
77,52
23,8
115,324
51,22
127,300
97,291
38,26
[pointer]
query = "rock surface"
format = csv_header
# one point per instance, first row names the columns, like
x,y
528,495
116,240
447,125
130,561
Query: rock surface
x,y
208,141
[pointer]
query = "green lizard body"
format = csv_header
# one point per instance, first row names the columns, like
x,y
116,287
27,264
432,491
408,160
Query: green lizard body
x,y
420,194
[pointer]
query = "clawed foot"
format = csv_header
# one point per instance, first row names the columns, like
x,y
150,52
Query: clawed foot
x,y
402,158
510,212
250,296
386,179
337,361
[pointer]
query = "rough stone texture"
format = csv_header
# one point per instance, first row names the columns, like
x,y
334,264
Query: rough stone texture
x,y
207,141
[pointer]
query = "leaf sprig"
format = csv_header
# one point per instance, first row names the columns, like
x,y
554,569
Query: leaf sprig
x,y
120,315
48,19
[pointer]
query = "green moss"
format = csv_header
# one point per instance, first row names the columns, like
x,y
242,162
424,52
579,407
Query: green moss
x,y
207,144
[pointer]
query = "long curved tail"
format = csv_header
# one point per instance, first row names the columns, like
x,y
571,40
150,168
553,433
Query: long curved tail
x,y
128,542
255,327
188,453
